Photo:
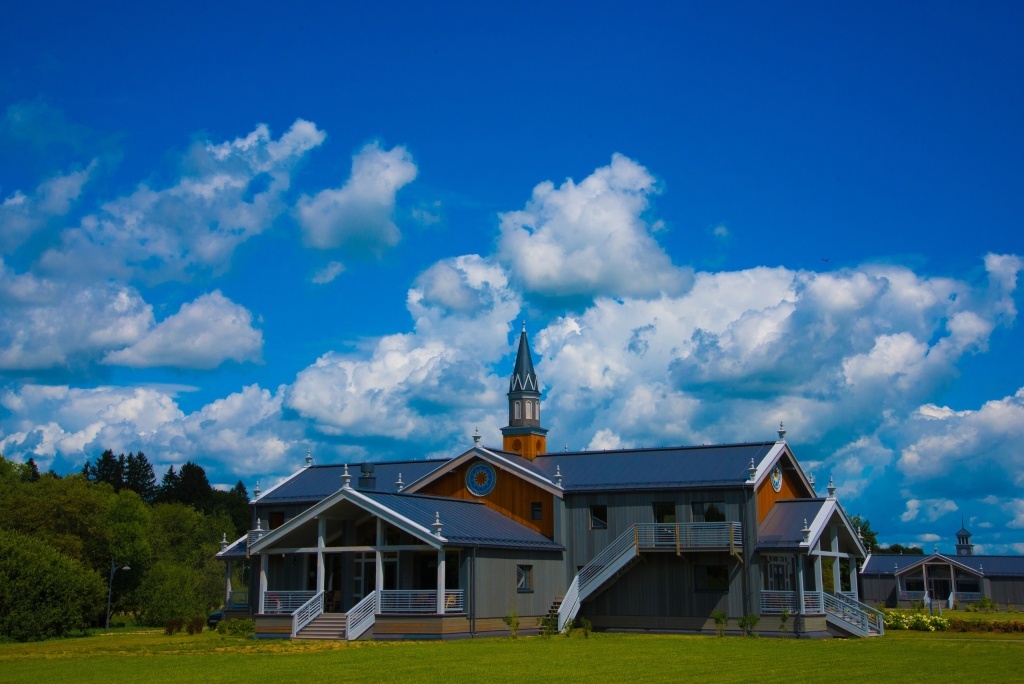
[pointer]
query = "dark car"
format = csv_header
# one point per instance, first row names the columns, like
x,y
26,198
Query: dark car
x,y
214,618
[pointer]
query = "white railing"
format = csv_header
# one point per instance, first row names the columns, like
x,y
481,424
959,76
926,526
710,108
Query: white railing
x,y
778,601
454,601
420,601
911,595
570,603
689,536
875,618
307,612
773,601
285,601
238,600
967,596
254,536
360,617
602,568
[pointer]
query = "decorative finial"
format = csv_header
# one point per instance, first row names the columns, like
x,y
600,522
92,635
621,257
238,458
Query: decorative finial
x,y
782,432
258,524
476,436
895,567
558,476
256,491
810,480
437,524
806,532
346,479
224,541
981,568
566,447
831,488
400,484
935,549
752,469
524,325
309,457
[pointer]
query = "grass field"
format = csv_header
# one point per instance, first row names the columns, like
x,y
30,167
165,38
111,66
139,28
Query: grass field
x,y
209,657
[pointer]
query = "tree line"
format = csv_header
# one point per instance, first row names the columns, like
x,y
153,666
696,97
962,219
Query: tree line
x,y
60,537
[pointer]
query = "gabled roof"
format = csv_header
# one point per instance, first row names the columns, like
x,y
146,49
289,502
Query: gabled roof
x,y
318,482
987,566
507,461
524,377
783,526
465,523
660,468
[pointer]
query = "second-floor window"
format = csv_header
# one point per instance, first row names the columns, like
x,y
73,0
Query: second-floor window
x,y
708,511
599,517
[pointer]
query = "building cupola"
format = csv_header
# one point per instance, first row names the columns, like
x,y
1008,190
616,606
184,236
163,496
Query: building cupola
x,y
523,434
964,547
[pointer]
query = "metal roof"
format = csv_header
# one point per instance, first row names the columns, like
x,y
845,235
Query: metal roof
x,y
235,550
524,377
784,524
989,566
318,482
667,467
468,523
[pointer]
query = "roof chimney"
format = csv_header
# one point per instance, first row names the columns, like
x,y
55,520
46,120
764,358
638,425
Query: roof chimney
x,y
367,480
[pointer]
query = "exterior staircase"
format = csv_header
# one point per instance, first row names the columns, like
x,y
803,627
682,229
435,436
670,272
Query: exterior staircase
x,y
849,617
605,567
326,626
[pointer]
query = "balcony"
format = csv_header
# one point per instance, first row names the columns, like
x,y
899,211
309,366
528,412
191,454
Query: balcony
x,y
679,537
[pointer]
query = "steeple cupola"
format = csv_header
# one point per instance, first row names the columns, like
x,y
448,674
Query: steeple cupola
x,y
524,435
964,547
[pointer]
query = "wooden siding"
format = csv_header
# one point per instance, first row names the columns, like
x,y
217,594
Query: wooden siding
x,y
527,446
400,627
792,488
496,592
626,508
661,585
1006,590
512,496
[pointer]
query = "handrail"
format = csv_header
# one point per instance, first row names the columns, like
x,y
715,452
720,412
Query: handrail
x,y
855,619
598,571
570,603
285,601
775,601
876,618
307,613
238,599
360,617
687,536
420,601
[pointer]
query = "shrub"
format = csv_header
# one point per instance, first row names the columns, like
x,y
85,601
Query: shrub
x,y
721,620
512,622
748,624
548,625
173,626
567,630
195,624
783,620
587,627
236,628
44,593
986,605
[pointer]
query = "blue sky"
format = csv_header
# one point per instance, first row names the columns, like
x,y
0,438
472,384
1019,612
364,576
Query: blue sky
x,y
231,233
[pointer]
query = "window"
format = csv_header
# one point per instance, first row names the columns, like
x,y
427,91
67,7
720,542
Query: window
x,y
529,410
276,519
665,513
536,511
524,578
711,577
518,409
599,517
708,511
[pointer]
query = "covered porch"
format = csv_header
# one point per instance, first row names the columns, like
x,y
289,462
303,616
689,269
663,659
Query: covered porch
x,y
808,553
940,579
353,556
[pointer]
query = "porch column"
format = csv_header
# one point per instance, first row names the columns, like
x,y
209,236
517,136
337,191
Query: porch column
x,y
379,565
799,584
853,578
837,577
440,581
819,583
924,572
952,583
227,583
264,558
321,532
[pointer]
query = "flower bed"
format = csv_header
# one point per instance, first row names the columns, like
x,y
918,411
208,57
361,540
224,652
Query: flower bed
x,y
936,623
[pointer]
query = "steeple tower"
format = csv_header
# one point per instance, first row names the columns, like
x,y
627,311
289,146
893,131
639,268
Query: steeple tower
x,y
524,435
964,547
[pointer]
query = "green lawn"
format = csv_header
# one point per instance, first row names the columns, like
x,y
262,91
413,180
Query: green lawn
x,y
152,656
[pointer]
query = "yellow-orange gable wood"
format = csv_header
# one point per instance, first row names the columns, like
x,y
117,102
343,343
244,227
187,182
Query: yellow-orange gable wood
x,y
792,488
511,496
527,446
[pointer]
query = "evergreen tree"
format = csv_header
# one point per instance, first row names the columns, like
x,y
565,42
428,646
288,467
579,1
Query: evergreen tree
x,y
169,486
139,476
194,487
31,470
108,468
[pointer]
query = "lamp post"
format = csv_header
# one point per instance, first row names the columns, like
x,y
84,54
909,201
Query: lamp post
x,y
110,587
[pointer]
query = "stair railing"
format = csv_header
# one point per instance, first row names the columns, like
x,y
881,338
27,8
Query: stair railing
x,y
361,617
307,612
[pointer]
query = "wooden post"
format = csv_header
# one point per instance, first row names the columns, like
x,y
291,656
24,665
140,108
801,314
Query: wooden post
x,y
264,558
799,584
440,582
321,533
853,579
